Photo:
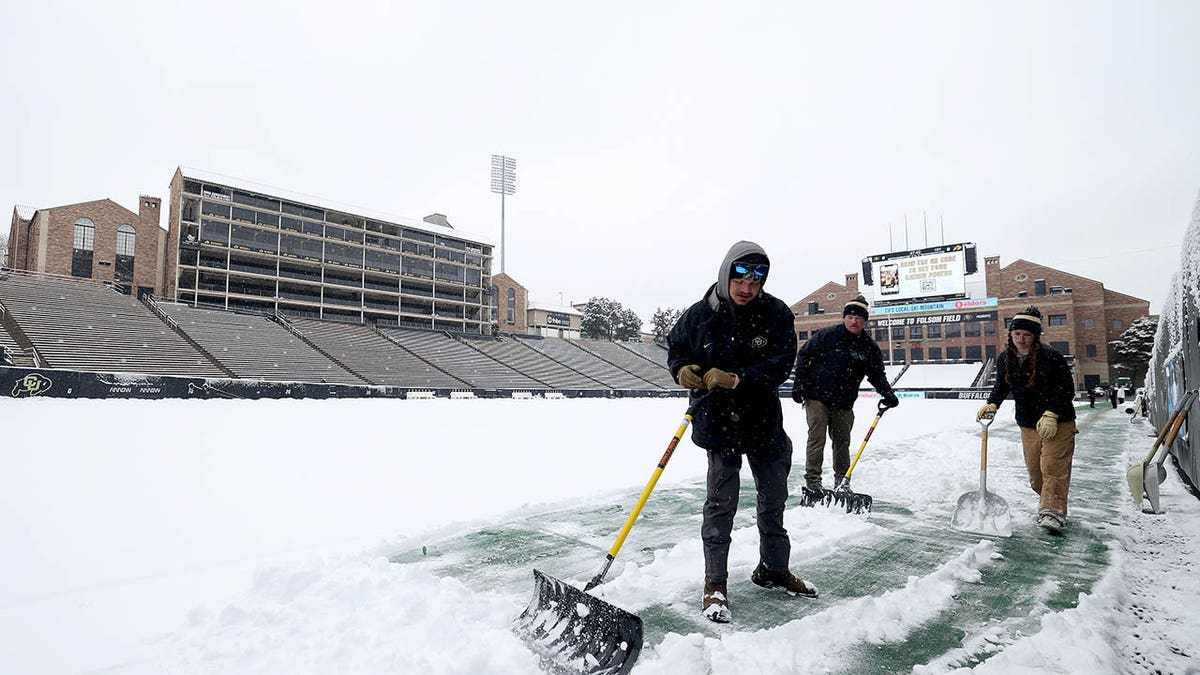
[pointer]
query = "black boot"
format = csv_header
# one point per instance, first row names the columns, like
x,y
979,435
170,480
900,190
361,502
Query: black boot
x,y
784,581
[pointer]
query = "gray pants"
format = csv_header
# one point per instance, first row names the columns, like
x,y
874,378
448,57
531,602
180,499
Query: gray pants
x,y
837,423
770,480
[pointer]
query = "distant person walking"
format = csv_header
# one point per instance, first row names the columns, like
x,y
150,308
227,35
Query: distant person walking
x,y
1112,394
737,344
829,369
1092,397
1040,382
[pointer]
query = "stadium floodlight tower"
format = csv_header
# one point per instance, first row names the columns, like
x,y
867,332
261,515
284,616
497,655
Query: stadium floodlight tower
x,y
504,182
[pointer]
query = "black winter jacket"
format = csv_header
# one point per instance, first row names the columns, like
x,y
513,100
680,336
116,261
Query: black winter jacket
x,y
1053,389
757,343
832,364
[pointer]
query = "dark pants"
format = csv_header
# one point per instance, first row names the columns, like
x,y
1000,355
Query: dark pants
x,y
770,480
823,420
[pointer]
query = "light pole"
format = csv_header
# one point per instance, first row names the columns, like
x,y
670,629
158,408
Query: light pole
x,y
504,179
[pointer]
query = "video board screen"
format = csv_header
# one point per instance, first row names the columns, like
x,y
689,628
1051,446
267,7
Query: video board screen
x,y
934,273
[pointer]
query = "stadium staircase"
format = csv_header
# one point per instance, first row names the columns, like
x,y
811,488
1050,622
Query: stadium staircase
x,y
154,307
517,354
364,350
570,354
987,374
628,361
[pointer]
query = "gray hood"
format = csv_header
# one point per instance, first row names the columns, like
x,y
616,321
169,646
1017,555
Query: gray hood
x,y
737,252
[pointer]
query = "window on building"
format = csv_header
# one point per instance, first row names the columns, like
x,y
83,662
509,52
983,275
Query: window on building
x,y
881,335
1039,286
126,239
989,351
1118,324
915,333
511,316
897,332
801,335
974,353
935,353
1058,319
495,293
953,330
917,354
1061,347
954,353
1091,351
989,327
1089,323
897,356
933,331
83,247
971,329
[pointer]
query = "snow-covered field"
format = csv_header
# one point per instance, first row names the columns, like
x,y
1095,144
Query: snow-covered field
x,y
255,537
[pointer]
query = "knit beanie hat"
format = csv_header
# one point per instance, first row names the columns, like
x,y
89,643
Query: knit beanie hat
x,y
858,307
1030,320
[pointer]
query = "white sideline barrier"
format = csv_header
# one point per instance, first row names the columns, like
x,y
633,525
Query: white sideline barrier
x,y
555,394
462,394
419,394
522,395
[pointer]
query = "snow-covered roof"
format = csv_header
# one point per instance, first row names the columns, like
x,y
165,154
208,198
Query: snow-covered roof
x,y
25,212
561,309
329,204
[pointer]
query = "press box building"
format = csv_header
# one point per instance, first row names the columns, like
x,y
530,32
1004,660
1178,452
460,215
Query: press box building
x,y
234,245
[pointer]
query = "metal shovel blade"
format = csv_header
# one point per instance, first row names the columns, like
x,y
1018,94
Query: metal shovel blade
x,y
982,512
575,632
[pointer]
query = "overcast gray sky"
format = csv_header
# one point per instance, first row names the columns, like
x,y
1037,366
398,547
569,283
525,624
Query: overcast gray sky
x,y
649,136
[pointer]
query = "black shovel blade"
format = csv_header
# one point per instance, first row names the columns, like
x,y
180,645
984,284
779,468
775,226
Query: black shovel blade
x,y
575,632
852,502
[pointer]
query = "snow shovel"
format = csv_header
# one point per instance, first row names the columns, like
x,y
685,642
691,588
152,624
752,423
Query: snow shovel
x,y
1136,473
573,631
980,511
841,495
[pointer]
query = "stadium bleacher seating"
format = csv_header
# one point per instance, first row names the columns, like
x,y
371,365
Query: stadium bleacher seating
x,y
629,361
577,359
369,354
80,324
521,357
462,361
255,347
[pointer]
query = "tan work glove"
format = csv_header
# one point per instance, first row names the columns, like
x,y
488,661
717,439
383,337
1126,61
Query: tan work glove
x,y
1047,427
988,411
689,377
719,378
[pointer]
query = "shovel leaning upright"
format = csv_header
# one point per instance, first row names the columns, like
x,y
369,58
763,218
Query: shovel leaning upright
x,y
1136,475
980,511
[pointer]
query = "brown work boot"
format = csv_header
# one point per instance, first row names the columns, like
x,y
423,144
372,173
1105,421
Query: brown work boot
x,y
784,581
716,602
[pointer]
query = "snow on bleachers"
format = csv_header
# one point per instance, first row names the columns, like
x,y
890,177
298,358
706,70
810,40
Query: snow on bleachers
x,y
939,376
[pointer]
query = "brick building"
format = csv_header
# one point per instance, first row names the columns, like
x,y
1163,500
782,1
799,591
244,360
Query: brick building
x,y
1080,317
99,240
510,307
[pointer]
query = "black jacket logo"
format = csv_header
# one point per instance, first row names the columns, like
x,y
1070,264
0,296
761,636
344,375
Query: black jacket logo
x,y
759,342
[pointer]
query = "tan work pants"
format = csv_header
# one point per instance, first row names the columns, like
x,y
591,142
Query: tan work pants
x,y
1049,464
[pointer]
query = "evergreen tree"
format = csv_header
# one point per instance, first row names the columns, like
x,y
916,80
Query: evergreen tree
x,y
1131,353
605,319
662,322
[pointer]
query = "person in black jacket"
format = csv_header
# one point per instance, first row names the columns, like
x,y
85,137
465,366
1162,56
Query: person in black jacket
x,y
1040,382
733,349
829,369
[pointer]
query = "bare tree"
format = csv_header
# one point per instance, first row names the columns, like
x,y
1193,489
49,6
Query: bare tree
x,y
3,250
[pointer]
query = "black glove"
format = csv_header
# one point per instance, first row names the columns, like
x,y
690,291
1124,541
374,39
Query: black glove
x,y
890,400
798,394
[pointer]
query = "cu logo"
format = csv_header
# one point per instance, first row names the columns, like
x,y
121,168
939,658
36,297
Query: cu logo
x,y
31,385
759,342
